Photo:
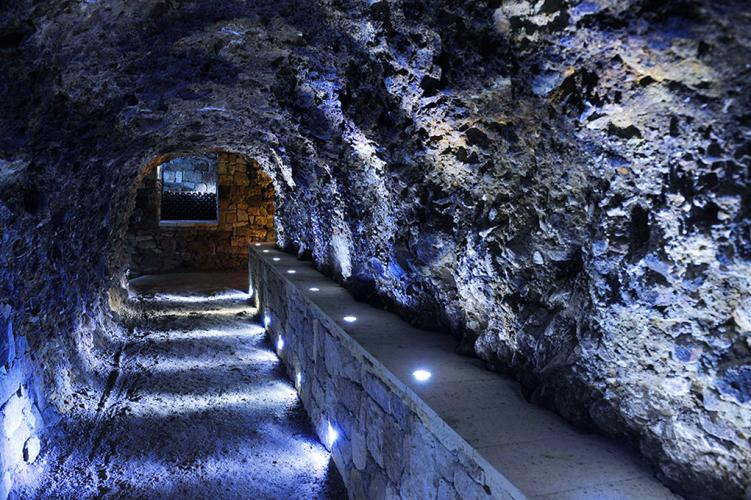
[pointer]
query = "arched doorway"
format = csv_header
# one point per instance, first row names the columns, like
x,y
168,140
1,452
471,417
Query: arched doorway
x,y
199,212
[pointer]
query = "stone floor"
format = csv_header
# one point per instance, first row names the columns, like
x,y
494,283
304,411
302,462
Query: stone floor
x,y
199,408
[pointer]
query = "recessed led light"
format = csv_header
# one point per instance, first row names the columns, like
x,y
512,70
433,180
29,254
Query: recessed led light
x,y
279,343
266,320
350,319
276,259
314,289
298,379
421,375
291,271
266,250
258,244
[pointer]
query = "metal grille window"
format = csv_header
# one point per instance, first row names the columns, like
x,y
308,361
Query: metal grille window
x,y
188,206
189,190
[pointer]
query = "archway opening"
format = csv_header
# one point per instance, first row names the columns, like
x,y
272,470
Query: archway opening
x,y
199,212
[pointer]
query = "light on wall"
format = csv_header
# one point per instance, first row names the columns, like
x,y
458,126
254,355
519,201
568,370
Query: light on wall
x,y
314,289
291,271
421,375
266,321
350,319
258,244
331,435
279,343
266,251
276,259
298,379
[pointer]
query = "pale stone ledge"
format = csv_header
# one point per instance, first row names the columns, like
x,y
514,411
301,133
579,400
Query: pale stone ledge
x,y
464,432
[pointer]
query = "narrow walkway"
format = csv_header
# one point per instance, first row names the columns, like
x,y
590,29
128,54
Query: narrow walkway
x,y
543,456
200,408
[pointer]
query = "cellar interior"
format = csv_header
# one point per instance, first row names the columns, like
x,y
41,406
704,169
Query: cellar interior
x,y
557,188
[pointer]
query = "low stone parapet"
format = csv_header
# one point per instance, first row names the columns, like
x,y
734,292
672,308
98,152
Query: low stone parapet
x,y
406,417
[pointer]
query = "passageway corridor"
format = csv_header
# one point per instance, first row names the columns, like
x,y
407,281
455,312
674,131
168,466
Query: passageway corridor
x,y
499,249
200,408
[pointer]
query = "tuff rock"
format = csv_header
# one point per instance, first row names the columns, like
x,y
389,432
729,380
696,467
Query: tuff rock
x,y
562,185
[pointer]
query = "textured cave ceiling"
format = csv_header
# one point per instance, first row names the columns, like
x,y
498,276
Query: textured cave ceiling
x,y
562,185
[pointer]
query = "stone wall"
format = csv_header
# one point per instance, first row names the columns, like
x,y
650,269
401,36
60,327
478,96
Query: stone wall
x,y
191,173
246,214
389,444
21,404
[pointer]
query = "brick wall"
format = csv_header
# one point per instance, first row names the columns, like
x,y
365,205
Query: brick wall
x,y
246,215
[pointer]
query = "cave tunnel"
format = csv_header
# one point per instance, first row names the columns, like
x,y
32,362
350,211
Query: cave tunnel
x,y
386,249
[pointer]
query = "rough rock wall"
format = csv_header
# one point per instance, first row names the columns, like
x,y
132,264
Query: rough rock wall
x,y
566,185
24,415
561,184
246,214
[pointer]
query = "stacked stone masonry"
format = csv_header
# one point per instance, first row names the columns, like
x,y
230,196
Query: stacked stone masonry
x,y
390,445
246,214
195,173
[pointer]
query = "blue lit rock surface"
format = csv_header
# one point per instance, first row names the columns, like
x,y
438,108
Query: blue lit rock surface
x,y
21,405
199,408
562,185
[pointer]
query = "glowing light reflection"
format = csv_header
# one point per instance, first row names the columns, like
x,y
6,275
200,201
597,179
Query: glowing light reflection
x,y
218,311
199,334
197,299
350,319
279,343
331,435
168,404
205,363
421,375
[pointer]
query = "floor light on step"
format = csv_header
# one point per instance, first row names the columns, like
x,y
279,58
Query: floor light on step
x,y
258,244
298,379
291,271
422,375
350,319
314,289
279,343
276,259
266,321
266,251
